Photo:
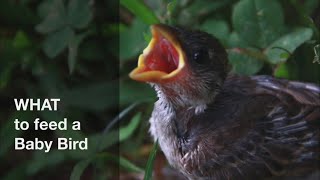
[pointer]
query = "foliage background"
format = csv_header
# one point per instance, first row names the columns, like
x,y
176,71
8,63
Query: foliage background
x,y
81,51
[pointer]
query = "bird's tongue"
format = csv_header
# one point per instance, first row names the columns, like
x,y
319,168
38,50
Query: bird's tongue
x,y
163,57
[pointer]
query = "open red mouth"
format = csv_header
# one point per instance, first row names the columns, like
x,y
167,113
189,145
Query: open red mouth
x,y
162,59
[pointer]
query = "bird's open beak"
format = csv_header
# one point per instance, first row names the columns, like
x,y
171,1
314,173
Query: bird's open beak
x,y
162,59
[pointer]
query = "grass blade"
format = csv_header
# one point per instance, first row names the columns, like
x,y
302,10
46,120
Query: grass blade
x,y
123,162
139,9
79,168
149,167
128,130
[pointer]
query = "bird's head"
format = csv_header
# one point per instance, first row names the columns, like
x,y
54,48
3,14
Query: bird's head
x,y
186,67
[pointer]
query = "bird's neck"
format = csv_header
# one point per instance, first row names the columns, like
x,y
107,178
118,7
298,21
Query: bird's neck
x,y
179,96
162,128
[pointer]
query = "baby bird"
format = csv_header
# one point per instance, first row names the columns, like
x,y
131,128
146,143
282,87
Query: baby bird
x,y
214,125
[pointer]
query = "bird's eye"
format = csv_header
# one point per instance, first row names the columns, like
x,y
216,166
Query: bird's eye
x,y
201,56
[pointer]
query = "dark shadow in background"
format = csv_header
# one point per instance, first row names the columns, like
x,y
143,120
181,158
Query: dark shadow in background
x,y
66,50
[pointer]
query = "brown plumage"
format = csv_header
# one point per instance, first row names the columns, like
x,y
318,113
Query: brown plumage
x,y
211,125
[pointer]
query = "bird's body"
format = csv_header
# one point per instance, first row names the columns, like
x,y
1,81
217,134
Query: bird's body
x,y
211,125
256,127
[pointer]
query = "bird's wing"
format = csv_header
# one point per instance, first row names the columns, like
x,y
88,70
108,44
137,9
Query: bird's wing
x,y
293,124
258,125
304,93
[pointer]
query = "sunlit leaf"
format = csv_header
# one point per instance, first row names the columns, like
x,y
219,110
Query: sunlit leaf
x,y
281,71
285,55
288,42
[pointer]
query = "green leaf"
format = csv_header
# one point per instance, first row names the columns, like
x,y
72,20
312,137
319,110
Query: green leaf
x,y
244,63
218,28
131,92
73,50
21,40
147,36
287,44
56,42
44,7
131,40
79,168
258,22
152,157
282,71
193,12
171,6
127,131
235,41
198,8
79,13
55,18
285,55
139,9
